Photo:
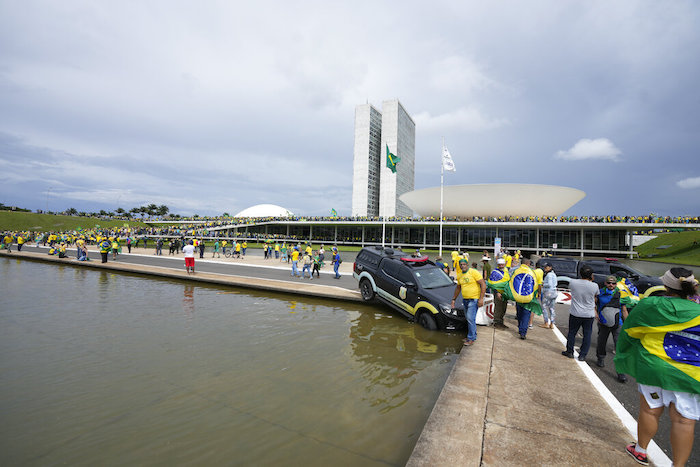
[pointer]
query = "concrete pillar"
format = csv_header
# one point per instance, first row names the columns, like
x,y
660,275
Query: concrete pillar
x,y
631,250
425,235
363,236
582,242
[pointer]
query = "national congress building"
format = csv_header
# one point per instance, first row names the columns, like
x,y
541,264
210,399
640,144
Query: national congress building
x,y
375,188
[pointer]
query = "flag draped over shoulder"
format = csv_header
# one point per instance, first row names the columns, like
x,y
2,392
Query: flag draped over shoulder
x,y
447,162
629,296
520,288
660,344
391,160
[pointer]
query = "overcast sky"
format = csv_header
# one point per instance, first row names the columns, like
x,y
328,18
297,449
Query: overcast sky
x,y
214,106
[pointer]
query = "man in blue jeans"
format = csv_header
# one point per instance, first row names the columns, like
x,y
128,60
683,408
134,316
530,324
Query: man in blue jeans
x,y
584,310
471,284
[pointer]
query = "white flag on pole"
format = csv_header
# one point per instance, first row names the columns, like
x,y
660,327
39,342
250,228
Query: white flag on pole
x,y
447,162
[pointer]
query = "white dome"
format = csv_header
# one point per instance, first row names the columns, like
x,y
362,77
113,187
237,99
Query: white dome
x,y
493,199
265,210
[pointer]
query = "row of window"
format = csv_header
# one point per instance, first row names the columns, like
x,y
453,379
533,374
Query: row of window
x,y
613,240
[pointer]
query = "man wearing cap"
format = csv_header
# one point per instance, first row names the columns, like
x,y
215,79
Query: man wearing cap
x,y
485,266
473,287
499,302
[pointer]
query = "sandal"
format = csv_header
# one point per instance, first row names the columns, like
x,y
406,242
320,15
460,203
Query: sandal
x,y
638,456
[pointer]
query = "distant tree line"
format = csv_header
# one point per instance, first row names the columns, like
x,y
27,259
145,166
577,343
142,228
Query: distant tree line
x,y
150,210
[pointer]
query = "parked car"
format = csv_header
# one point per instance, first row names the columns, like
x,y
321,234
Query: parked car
x,y
414,286
570,268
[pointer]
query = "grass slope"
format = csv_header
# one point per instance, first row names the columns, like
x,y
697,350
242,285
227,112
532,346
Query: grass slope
x,y
683,248
13,221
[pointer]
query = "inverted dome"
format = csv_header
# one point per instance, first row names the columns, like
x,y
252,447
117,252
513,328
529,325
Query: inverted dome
x,y
493,199
265,210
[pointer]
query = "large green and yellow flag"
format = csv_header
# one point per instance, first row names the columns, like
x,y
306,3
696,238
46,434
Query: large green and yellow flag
x,y
391,160
521,288
660,344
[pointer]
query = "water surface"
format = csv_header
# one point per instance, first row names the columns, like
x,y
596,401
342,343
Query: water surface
x,y
105,368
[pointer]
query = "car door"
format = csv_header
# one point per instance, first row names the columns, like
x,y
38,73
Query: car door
x,y
408,289
392,288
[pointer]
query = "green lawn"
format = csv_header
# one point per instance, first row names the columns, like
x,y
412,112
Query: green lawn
x,y
676,247
20,221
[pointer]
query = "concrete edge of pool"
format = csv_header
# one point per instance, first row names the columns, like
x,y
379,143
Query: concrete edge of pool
x,y
506,401
273,285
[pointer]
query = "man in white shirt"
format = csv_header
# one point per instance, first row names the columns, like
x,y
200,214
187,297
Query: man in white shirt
x,y
584,310
189,256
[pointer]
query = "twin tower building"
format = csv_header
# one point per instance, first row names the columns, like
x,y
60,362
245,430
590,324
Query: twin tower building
x,y
375,187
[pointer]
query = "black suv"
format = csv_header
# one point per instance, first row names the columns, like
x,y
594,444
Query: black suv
x,y
414,286
570,268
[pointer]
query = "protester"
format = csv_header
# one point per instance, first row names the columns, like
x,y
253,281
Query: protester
x,y
471,284
105,246
201,248
583,311
217,246
295,262
548,296
307,261
485,266
336,262
611,315
317,266
500,274
189,256
657,349
523,313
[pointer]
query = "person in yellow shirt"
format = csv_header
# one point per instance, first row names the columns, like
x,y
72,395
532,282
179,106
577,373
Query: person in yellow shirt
x,y
238,250
509,260
472,286
295,262
244,246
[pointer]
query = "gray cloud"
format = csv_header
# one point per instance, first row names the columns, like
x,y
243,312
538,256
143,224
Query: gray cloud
x,y
217,106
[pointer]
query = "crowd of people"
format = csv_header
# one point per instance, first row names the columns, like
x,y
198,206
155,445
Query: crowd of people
x,y
655,337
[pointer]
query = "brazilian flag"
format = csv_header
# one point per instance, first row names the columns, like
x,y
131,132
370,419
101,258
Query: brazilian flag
x,y
520,288
391,160
660,344
629,296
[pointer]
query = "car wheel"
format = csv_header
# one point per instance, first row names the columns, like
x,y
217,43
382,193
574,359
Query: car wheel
x,y
366,290
427,321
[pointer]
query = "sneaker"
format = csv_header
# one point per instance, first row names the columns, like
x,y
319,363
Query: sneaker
x,y
530,326
621,378
500,326
581,358
639,457
522,336
600,363
567,354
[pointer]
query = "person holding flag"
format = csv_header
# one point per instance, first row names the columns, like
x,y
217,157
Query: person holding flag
x,y
521,288
660,348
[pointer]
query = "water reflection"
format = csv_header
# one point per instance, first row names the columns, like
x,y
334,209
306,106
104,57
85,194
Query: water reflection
x,y
390,356
188,300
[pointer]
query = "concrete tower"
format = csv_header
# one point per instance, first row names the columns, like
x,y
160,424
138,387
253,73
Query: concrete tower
x,y
375,188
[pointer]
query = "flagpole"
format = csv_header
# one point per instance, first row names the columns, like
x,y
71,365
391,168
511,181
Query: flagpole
x,y
442,180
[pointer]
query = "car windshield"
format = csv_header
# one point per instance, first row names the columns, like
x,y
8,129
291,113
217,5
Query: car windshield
x,y
432,278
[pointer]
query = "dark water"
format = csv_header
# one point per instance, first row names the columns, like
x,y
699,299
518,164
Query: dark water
x,y
98,368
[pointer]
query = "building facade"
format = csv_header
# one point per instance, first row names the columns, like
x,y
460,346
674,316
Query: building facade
x,y
376,189
366,161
